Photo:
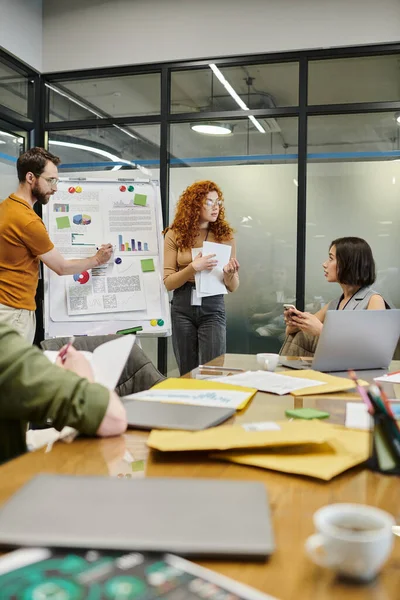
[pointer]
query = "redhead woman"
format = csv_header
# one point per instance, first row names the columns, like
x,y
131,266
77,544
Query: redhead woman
x,y
198,331
350,264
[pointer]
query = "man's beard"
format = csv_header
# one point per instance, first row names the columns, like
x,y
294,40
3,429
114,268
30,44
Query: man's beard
x,y
41,197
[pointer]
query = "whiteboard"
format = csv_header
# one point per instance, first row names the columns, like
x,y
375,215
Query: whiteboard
x,y
85,213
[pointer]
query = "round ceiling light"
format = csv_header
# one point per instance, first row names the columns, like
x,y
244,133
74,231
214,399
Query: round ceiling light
x,y
397,118
212,128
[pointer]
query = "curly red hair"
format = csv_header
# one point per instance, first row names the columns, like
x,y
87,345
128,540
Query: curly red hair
x,y
187,215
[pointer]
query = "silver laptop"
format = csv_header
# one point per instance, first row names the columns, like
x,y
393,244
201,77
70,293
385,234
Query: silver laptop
x,y
163,415
364,339
200,517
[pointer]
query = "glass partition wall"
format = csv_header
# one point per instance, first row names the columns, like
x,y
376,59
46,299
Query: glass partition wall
x,y
17,91
305,146
353,169
353,190
21,126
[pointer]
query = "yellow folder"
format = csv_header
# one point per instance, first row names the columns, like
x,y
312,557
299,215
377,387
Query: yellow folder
x,y
228,437
329,383
175,383
345,449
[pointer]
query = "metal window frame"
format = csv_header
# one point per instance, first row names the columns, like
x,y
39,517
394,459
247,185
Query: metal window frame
x,y
37,126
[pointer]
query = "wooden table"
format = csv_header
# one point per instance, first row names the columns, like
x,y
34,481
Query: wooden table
x,y
288,574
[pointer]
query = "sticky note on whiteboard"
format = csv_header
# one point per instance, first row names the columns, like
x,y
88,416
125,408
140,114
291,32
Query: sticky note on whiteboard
x,y
147,265
63,222
140,199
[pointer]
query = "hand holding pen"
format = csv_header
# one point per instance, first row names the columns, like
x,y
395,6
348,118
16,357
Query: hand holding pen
x,y
103,254
64,351
72,360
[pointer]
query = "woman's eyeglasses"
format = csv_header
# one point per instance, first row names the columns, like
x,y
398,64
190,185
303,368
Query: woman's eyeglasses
x,y
212,203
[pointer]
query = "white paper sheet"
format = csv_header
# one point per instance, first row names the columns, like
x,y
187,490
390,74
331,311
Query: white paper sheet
x,y
110,358
265,381
262,426
130,222
357,416
394,378
107,360
195,252
217,398
76,223
212,282
106,289
126,220
81,216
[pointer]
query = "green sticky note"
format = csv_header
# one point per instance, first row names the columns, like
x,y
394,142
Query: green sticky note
x,y
306,413
140,199
138,465
147,265
63,222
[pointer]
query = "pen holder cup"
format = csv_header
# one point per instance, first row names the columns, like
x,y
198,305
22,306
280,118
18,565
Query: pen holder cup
x,y
373,462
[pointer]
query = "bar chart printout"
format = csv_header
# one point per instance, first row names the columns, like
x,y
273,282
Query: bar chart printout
x,y
132,245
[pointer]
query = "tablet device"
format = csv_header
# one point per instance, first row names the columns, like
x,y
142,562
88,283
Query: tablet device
x,y
142,414
199,517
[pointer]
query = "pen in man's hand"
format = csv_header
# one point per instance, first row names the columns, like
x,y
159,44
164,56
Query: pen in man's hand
x,y
63,353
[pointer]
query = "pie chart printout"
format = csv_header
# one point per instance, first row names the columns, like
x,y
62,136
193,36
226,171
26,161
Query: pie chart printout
x,y
82,277
82,219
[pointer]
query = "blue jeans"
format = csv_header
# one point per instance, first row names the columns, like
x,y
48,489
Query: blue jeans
x,y
198,332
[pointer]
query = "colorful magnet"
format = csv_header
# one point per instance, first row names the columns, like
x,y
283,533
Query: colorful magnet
x,y
153,322
78,189
71,190
122,188
160,322
131,188
118,261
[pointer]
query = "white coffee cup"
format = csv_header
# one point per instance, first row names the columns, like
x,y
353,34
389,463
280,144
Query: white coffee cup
x,y
353,539
268,361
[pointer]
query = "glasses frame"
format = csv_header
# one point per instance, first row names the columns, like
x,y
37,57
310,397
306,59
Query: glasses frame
x,y
212,203
53,181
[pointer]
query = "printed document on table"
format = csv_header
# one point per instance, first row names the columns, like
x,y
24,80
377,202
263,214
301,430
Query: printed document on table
x,y
205,397
212,282
266,381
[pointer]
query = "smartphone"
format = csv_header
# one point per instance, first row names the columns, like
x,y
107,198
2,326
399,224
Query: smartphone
x,y
289,306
